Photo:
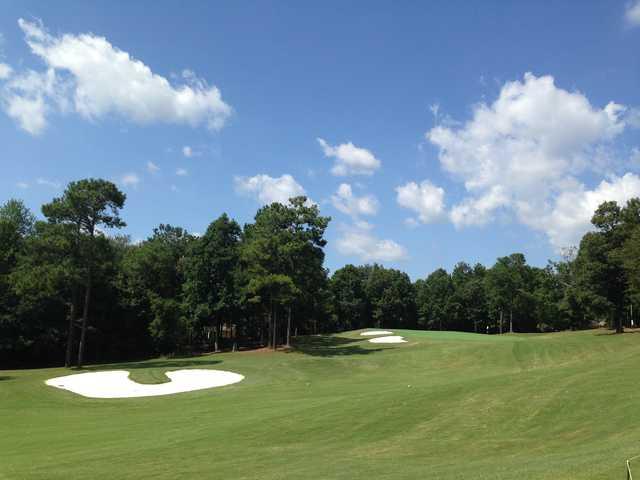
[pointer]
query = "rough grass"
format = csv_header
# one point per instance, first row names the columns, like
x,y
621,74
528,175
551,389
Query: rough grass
x,y
443,406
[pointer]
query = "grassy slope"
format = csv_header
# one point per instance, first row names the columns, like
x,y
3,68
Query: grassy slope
x,y
445,405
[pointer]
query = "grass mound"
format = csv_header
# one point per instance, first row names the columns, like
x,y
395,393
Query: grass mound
x,y
444,405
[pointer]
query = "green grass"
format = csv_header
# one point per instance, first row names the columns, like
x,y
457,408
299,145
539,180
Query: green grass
x,y
443,406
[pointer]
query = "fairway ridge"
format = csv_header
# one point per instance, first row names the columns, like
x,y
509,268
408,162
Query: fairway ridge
x,y
117,384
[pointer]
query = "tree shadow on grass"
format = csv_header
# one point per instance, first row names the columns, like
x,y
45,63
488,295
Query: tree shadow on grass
x,y
330,346
6,377
613,333
169,364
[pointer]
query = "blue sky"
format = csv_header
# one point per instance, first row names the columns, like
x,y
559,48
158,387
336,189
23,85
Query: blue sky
x,y
431,132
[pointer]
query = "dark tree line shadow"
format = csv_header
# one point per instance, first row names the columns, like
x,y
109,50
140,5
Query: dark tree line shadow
x,y
315,345
173,363
613,332
331,346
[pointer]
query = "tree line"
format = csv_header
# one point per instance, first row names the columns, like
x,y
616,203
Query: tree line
x,y
72,290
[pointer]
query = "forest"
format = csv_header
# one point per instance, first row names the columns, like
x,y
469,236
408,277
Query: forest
x,y
74,291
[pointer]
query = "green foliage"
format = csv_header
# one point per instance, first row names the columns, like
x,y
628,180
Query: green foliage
x,y
150,281
260,284
16,225
605,263
87,204
211,276
167,328
434,300
392,298
349,304
282,259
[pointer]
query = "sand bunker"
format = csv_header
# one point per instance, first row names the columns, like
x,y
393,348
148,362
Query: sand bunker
x,y
376,332
391,339
116,383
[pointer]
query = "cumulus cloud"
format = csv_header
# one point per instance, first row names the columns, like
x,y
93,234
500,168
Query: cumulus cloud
x,y
349,159
98,79
130,179
345,201
28,97
182,172
632,13
525,149
359,241
23,185
479,210
267,189
152,167
426,199
570,217
5,71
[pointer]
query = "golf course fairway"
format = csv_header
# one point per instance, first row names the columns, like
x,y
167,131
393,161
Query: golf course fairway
x,y
444,405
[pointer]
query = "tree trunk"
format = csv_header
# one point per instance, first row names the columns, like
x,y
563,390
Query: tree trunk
x,y
289,329
275,328
270,328
216,341
85,315
510,321
234,346
619,325
500,322
72,326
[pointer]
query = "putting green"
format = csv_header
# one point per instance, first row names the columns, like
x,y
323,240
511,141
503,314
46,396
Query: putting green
x,y
444,405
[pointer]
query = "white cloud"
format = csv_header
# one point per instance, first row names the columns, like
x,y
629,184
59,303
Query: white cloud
x,y
152,167
346,202
268,189
30,96
478,210
534,131
182,172
101,80
525,149
130,179
570,217
632,13
349,159
359,241
5,71
48,183
632,117
435,109
23,185
426,199
187,151
411,222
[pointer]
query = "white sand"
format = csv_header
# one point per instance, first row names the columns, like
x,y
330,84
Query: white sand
x,y
116,383
391,339
376,332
